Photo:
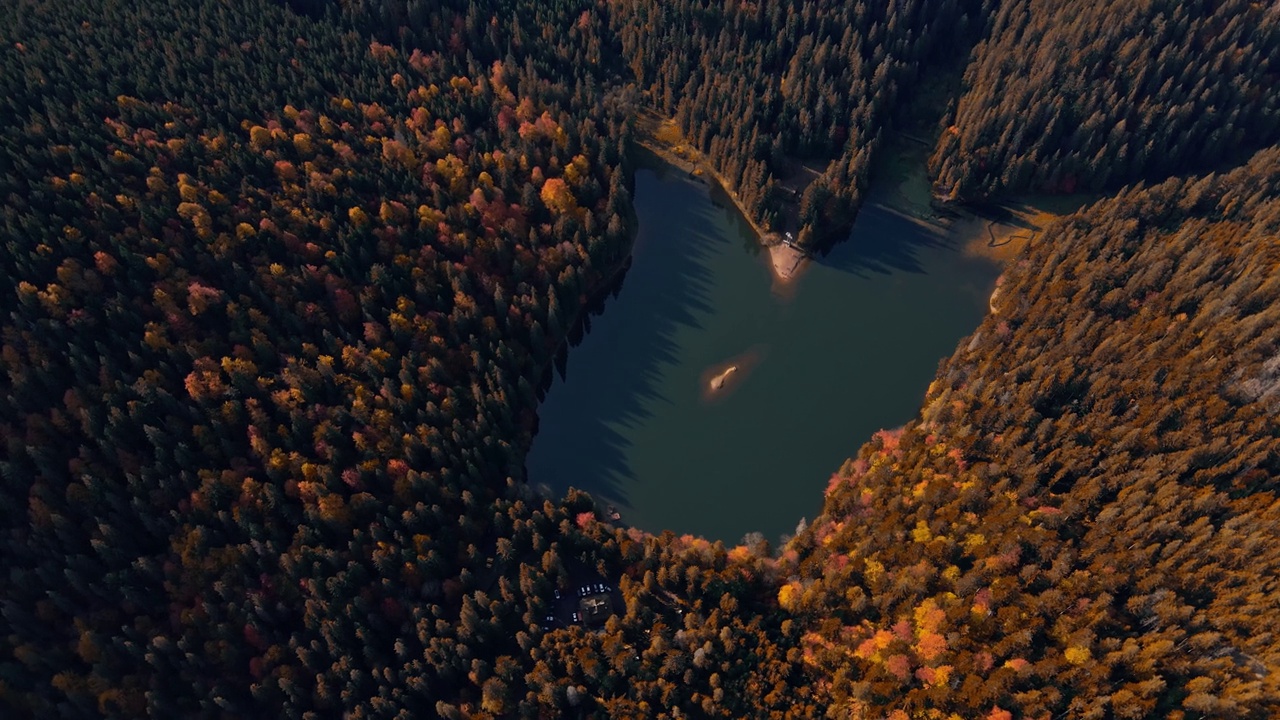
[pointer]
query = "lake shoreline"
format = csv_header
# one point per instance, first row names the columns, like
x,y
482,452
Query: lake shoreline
x,y
607,285
785,261
638,420
997,231
672,374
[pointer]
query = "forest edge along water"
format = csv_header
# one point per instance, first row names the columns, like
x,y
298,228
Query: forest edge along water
x,y
662,137
706,392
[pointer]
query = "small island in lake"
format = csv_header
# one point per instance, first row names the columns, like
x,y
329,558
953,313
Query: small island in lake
x,y
720,379
717,382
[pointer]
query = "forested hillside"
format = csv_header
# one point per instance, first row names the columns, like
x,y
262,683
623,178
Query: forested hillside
x,y
1083,520
281,288
270,358
761,88
767,91
1067,96
790,101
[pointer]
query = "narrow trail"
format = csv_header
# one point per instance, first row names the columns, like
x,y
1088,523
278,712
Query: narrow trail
x,y
994,243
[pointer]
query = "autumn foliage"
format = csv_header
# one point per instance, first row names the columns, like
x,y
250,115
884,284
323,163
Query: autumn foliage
x,y
1067,524
283,288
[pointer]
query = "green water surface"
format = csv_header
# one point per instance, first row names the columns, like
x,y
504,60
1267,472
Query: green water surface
x,y
850,348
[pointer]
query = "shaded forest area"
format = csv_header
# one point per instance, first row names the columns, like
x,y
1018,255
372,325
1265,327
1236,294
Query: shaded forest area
x,y
1084,97
283,283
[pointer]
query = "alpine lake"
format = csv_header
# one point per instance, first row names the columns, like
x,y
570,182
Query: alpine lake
x,y
847,348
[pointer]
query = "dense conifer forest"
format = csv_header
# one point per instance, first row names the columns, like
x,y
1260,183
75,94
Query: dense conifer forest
x,y
283,282
1080,97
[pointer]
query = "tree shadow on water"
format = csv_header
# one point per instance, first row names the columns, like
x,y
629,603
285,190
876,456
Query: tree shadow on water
x,y
615,374
884,240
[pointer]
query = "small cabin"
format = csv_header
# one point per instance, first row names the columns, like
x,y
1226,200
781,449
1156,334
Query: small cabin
x,y
595,609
